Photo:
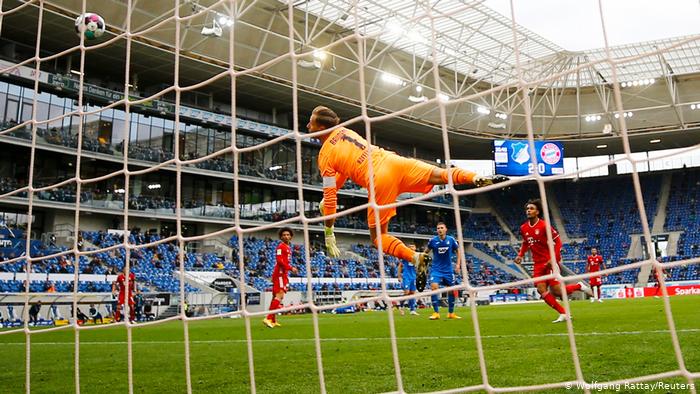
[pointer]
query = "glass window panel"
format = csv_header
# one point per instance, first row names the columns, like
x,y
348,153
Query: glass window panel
x,y
190,141
156,139
168,135
219,140
14,90
202,142
11,110
45,97
91,123
144,133
27,93
107,114
118,131
26,112
3,102
74,125
42,113
133,128
55,111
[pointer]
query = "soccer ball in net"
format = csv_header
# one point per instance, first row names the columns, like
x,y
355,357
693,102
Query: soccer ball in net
x,y
90,25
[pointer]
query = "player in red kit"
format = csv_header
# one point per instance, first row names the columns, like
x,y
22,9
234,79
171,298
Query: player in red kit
x,y
658,273
595,261
280,279
120,285
534,233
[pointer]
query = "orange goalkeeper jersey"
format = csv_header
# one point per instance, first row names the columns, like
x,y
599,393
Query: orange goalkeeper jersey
x,y
342,156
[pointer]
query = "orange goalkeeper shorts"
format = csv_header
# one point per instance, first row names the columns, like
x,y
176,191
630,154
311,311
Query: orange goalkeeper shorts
x,y
393,176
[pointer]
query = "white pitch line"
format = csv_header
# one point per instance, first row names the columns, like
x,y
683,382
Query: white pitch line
x,y
222,341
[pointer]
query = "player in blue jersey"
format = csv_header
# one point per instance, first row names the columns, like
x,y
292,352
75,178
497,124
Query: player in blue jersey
x,y
407,278
442,271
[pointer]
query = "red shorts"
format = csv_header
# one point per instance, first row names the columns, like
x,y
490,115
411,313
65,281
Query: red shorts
x,y
280,283
542,269
121,299
595,281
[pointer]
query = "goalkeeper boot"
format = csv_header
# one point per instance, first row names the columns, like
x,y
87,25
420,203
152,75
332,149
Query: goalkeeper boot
x,y
421,281
453,316
422,263
435,316
481,181
277,324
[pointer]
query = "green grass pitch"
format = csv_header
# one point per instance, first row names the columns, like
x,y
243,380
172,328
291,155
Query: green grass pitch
x,y
616,339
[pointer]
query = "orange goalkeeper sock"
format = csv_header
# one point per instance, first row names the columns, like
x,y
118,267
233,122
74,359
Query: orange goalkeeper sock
x,y
459,176
394,247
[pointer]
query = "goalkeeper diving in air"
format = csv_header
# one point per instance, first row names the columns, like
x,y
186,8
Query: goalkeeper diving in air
x,y
344,154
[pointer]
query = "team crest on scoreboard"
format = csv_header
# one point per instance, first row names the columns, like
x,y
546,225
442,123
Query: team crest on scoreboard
x,y
550,153
520,154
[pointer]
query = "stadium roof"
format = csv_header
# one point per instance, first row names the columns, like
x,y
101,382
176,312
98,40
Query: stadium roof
x,y
474,53
478,42
469,37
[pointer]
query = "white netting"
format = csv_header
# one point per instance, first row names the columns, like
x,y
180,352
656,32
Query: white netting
x,y
427,14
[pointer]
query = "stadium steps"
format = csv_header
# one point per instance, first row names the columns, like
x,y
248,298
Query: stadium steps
x,y
643,277
86,245
170,311
248,288
192,280
65,234
665,192
489,259
350,255
635,249
556,217
217,246
673,238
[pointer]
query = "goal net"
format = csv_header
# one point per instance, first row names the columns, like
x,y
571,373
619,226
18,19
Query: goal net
x,y
415,66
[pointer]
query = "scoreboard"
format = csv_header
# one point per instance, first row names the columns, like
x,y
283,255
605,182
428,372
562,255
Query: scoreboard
x,y
512,157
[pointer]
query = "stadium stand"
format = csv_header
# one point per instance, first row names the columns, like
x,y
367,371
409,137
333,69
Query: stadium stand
x,y
682,211
484,227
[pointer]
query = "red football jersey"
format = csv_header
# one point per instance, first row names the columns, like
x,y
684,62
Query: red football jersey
x,y
121,279
283,259
535,239
658,273
594,263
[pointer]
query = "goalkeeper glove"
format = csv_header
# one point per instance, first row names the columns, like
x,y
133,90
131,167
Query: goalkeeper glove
x,y
481,181
331,246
